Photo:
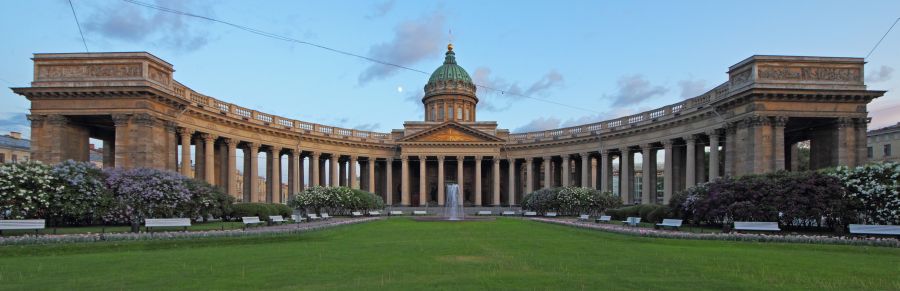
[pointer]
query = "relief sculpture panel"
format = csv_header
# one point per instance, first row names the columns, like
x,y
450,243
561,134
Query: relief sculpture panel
x,y
448,134
88,71
788,73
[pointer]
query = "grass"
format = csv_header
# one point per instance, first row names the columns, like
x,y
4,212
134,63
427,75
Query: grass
x,y
402,254
213,225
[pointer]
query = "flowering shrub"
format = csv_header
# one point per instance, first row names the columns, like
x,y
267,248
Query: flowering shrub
x,y
337,200
25,190
146,193
874,190
569,200
81,197
207,201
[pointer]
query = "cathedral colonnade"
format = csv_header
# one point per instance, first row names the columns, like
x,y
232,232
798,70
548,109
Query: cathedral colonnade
x,y
753,123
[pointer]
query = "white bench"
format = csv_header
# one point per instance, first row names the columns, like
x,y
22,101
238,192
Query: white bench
x,y
250,220
420,212
34,224
673,223
325,216
356,214
313,216
485,212
604,218
297,218
529,213
632,221
167,222
756,226
550,214
508,213
395,212
584,217
374,213
875,229
277,218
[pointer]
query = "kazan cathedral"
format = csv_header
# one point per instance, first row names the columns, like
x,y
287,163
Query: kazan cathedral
x,y
750,123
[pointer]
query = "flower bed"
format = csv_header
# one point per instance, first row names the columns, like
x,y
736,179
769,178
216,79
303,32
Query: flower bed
x,y
98,237
745,237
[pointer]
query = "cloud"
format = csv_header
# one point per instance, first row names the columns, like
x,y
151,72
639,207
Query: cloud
x,y
368,126
15,121
413,41
633,90
131,23
880,75
505,93
538,124
692,88
381,9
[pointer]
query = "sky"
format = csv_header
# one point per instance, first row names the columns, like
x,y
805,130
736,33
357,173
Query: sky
x,y
601,60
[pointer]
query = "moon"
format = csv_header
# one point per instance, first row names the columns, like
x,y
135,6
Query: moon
x,y
400,89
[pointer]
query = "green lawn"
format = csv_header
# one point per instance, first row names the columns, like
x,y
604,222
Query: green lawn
x,y
197,226
402,254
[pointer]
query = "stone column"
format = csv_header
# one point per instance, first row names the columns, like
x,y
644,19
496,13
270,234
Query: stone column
x,y
730,138
254,172
199,157
370,165
273,178
565,170
691,171
185,151
404,181
342,173
529,175
605,171
171,148
295,178
122,140
625,175
460,178
354,182
423,181
861,126
314,169
478,181
389,181
647,176
668,176
335,170
495,172
511,183
548,164
440,183
778,142
585,170
231,165
713,155
209,169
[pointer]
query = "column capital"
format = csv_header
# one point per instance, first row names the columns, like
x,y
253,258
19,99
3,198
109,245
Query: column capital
x,y
275,149
714,132
461,158
185,131
252,145
547,158
404,158
625,150
313,155
479,158
689,138
646,146
118,119
441,158
565,157
496,160
667,143
584,154
353,157
144,119
604,153
230,141
207,137
170,126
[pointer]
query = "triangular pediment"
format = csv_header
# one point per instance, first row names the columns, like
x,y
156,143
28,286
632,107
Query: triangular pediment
x,y
451,132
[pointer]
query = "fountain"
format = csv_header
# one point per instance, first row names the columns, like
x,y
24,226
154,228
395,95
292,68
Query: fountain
x,y
453,208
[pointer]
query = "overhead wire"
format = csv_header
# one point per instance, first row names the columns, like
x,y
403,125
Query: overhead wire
x,y
882,38
77,23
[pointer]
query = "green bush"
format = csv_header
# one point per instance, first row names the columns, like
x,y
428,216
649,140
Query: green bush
x,y
658,214
625,212
570,201
335,200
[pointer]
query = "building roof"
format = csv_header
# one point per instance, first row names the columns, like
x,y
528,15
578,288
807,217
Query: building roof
x,y
450,71
887,129
7,141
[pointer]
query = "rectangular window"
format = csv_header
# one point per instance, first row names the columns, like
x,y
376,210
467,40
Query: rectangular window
x,y
466,116
15,158
870,152
440,115
450,114
459,113
2,158
887,150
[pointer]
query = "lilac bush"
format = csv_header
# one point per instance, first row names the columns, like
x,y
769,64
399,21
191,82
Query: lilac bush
x,y
82,197
570,200
875,189
25,190
145,193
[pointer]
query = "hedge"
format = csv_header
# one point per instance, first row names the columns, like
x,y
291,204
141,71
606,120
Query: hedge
x,y
261,210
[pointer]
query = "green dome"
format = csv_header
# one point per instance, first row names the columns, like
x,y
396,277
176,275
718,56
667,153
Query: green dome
x,y
450,71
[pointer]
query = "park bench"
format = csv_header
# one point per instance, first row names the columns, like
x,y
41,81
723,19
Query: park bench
x,y
325,216
550,214
870,229
673,223
374,213
420,212
485,212
167,222
276,219
604,218
356,214
756,226
35,224
584,217
529,213
313,216
250,220
395,212
632,221
508,213
297,218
